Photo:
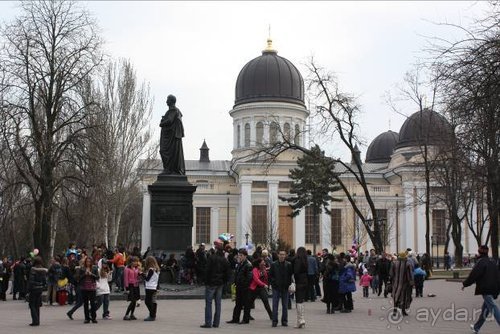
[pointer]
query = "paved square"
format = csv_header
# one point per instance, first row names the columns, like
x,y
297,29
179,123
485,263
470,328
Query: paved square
x,y
449,312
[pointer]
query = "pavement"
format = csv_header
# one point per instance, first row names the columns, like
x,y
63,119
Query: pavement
x,y
450,311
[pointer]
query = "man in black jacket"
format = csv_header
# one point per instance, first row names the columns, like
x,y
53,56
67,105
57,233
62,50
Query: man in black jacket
x,y
242,279
216,276
280,278
486,275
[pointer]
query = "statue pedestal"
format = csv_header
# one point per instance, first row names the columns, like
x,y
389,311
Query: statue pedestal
x,y
171,213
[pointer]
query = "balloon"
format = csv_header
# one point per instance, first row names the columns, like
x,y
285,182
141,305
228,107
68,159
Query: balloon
x,y
32,254
36,251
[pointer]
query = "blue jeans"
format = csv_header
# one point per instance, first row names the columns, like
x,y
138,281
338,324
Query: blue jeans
x,y
211,293
489,305
283,295
104,301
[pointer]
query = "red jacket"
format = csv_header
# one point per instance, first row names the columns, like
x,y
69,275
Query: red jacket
x,y
259,279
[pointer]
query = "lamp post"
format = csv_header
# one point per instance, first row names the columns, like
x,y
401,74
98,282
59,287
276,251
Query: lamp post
x,y
437,251
227,213
432,249
246,238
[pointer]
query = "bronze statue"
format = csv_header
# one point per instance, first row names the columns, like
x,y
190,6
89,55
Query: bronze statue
x,y
172,131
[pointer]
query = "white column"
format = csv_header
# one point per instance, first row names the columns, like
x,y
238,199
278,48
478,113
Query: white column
x,y
146,219
246,212
273,208
299,229
406,224
214,223
266,138
253,132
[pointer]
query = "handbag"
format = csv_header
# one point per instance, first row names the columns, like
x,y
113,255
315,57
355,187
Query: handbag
x,y
292,288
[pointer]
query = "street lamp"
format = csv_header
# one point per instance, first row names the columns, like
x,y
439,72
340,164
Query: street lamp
x,y
437,251
432,248
227,213
246,238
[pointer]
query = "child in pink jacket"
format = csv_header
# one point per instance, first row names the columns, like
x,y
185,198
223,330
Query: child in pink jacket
x,y
365,281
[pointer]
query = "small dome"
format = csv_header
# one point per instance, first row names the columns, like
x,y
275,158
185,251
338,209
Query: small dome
x,y
382,147
424,127
269,77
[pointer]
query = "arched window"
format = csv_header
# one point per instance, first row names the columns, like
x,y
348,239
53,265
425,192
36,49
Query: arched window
x,y
297,134
286,131
238,135
259,129
273,133
247,135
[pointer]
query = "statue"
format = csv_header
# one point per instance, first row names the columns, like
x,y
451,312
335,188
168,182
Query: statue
x,y
172,131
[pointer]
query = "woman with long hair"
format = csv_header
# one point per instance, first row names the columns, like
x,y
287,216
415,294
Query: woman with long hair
x,y
131,284
260,284
151,276
300,276
88,277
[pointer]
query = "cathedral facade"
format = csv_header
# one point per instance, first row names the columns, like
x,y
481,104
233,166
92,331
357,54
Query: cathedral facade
x,y
241,196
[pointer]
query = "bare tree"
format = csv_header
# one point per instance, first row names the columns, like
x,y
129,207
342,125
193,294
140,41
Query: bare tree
x,y
120,136
47,53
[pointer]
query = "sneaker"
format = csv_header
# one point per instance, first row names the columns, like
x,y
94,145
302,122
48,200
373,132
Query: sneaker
x,y
149,319
474,331
126,317
107,317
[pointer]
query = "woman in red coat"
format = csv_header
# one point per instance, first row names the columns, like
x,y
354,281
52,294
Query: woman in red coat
x,y
260,284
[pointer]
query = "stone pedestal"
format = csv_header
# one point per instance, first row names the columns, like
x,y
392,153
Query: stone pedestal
x,y
171,213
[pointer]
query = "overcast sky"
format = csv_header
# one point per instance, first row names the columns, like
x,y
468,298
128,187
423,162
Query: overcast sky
x,y
195,51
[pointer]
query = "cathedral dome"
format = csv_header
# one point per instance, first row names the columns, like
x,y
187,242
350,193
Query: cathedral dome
x,y
382,147
269,77
424,127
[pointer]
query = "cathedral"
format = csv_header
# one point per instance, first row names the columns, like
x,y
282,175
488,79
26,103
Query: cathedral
x,y
241,196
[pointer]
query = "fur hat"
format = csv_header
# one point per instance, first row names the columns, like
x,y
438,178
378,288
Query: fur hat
x,y
483,250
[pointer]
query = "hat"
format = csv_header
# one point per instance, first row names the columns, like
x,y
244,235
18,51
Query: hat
x,y
217,243
365,271
483,250
202,244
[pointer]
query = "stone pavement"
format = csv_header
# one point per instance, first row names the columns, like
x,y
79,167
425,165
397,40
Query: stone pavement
x,y
449,312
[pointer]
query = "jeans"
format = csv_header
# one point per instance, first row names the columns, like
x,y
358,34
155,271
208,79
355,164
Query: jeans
x,y
283,295
104,301
119,278
211,293
489,306
311,292
35,300
79,301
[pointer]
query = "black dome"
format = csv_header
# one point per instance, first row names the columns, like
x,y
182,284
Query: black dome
x,y
424,127
381,148
269,78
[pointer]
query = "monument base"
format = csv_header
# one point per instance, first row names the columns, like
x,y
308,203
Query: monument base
x,y
171,213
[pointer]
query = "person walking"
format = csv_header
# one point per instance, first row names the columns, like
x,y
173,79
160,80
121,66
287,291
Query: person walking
x,y
242,278
88,277
312,273
260,284
365,282
36,283
152,278
131,284
300,271
402,283
486,276
217,275
280,278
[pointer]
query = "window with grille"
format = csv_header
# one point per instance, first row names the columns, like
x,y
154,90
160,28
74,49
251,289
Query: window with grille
x,y
312,227
297,134
273,133
259,225
439,225
336,228
238,134
247,135
286,131
259,133
202,225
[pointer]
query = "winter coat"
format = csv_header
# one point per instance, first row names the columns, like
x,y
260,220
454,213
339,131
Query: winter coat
x,y
218,271
280,275
486,275
347,279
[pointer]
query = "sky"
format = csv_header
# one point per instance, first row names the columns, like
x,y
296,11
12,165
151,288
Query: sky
x,y
195,50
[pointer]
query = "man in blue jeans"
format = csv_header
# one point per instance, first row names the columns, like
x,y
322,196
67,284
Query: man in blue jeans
x,y
216,277
280,278
486,276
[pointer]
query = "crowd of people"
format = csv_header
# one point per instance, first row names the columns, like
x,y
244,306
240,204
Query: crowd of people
x,y
82,279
